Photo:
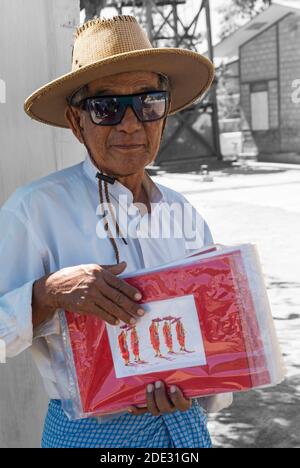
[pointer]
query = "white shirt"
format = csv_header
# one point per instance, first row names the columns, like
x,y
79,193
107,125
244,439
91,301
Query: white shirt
x,y
50,224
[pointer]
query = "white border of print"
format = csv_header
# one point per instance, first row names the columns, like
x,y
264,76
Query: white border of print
x,y
183,307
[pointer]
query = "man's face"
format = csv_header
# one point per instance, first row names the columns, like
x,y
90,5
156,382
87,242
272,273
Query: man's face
x,y
127,148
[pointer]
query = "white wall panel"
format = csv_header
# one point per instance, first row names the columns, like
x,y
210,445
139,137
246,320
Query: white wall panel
x,y
36,38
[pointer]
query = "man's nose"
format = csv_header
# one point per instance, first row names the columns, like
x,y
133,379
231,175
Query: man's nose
x,y
130,123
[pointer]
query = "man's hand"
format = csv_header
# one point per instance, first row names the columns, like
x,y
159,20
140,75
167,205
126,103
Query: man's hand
x,y
87,289
159,402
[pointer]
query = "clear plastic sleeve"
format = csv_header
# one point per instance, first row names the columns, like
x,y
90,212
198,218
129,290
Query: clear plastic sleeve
x,y
208,328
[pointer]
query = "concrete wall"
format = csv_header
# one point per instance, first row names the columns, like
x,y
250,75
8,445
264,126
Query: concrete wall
x,y
273,103
259,57
289,50
36,39
274,57
259,63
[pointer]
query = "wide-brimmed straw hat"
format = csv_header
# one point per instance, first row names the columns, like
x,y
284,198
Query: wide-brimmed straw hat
x,y
105,47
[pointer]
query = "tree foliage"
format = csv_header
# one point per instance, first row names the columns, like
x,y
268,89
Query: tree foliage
x,y
237,12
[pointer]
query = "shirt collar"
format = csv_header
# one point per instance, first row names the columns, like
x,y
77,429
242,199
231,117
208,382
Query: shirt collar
x,y
117,189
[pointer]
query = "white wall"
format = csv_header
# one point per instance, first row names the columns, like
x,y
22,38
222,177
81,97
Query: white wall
x,y
36,38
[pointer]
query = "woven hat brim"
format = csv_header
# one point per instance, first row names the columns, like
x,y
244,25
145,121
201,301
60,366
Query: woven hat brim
x,y
190,74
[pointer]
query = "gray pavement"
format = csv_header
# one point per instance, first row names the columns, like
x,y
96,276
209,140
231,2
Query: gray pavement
x,y
260,204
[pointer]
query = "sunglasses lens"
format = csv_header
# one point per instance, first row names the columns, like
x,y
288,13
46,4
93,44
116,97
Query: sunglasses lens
x,y
111,110
151,106
105,111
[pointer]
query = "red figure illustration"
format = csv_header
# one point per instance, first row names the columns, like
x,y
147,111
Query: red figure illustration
x,y
134,342
154,337
122,339
168,336
180,332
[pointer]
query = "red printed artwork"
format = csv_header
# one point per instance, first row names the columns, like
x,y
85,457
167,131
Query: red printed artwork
x,y
200,331
155,340
122,338
154,336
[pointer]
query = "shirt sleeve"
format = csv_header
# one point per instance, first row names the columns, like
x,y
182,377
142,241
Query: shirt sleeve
x,y
21,264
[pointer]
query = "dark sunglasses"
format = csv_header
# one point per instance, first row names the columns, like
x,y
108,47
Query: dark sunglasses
x,y
110,110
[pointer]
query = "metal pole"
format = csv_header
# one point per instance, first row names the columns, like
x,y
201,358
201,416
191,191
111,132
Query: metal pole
x,y
175,16
149,18
215,115
118,7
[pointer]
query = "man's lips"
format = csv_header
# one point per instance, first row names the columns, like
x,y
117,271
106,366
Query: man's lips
x,y
127,146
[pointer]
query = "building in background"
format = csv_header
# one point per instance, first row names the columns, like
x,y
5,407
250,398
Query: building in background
x,y
262,62
192,136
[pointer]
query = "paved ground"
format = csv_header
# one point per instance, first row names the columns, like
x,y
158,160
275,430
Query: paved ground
x,y
259,204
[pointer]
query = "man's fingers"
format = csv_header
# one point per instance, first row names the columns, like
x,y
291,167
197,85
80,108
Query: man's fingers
x,y
117,283
159,403
122,294
163,403
113,309
151,404
97,310
179,401
125,309
115,269
137,411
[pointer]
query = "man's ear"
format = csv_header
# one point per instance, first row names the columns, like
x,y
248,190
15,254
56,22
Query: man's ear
x,y
73,120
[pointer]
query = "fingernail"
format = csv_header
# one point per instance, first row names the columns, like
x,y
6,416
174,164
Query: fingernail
x,y
129,410
149,388
141,312
138,296
157,384
173,389
132,321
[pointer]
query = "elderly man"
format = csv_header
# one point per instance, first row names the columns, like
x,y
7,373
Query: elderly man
x,y
115,100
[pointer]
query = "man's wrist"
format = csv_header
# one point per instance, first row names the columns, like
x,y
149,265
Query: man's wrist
x,y
44,301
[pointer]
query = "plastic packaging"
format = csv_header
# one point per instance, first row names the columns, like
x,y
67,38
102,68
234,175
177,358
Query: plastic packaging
x,y
208,328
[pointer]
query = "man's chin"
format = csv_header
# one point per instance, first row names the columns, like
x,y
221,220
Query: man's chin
x,y
132,159
128,165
